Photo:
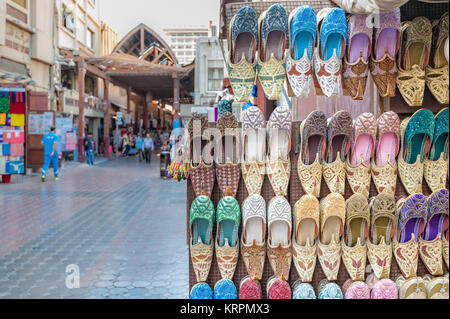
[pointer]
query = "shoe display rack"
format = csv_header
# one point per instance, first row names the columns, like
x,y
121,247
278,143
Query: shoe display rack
x,y
397,104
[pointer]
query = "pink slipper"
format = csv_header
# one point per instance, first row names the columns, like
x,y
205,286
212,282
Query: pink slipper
x,y
357,290
278,289
384,289
250,289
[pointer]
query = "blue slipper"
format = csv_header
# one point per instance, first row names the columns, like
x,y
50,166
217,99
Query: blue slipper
x,y
225,289
201,291
303,32
333,33
303,291
331,291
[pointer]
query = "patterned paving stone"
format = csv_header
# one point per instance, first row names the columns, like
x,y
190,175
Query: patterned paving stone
x,y
101,219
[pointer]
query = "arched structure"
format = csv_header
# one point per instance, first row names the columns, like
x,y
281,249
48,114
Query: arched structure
x,y
145,44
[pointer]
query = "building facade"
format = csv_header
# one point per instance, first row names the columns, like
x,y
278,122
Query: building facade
x,y
183,41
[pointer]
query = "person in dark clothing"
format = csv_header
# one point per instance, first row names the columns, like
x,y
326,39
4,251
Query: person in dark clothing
x,y
89,150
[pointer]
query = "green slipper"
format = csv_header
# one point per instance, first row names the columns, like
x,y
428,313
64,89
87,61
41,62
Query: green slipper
x,y
440,140
418,135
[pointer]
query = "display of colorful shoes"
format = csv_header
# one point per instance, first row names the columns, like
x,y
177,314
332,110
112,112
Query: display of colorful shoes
x,y
332,39
413,58
299,66
356,62
273,34
354,248
412,214
243,42
435,167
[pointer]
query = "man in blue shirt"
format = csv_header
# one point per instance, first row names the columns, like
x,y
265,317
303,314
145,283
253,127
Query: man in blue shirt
x,y
50,141
88,148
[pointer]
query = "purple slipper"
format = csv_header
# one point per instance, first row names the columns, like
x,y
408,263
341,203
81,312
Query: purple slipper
x,y
412,218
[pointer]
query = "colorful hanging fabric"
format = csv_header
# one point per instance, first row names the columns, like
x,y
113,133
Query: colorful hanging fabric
x,y
6,149
16,150
17,119
17,97
4,104
8,119
17,108
2,119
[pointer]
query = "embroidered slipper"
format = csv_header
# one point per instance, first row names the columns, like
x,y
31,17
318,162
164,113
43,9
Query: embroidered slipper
x,y
340,128
332,219
354,249
384,289
201,291
273,34
201,221
330,290
445,248
430,244
278,164
305,234
279,236
437,71
363,148
254,149
309,167
303,291
227,238
278,289
250,289
384,165
227,165
225,289
411,215
383,224
371,280
253,239
299,67
356,62
357,290
413,58
201,171
412,288
435,167
386,46
437,288
243,42
416,133
332,39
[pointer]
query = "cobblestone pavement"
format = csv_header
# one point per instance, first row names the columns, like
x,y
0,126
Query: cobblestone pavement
x,y
118,222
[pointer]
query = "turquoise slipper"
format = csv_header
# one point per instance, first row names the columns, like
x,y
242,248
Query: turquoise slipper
x,y
225,289
333,33
201,291
303,32
440,140
418,135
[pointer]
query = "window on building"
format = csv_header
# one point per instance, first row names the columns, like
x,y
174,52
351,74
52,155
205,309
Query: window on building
x,y
22,3
215,79
68,21
90,38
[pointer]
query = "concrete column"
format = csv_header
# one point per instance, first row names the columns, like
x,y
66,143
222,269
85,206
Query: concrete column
x,y
81,125
147,103
106,120
176,92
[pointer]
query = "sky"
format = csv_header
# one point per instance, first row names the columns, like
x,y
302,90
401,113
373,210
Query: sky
x,y
123,15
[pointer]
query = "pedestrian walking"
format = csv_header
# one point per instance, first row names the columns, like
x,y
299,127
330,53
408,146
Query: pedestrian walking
x,y
149,147
89,150
126,145
140,148
50,141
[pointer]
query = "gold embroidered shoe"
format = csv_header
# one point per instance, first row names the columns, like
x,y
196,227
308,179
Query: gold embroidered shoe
x,y
416,133
430,244
354,249
305,234
358,164
384,164
413,58
411,288
445,248
411,214
254,149
332,218
437,72
279,237
243,42
437,288
201,220
436,165
278,165
383,224
273,31
253,239
340,128
309,167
